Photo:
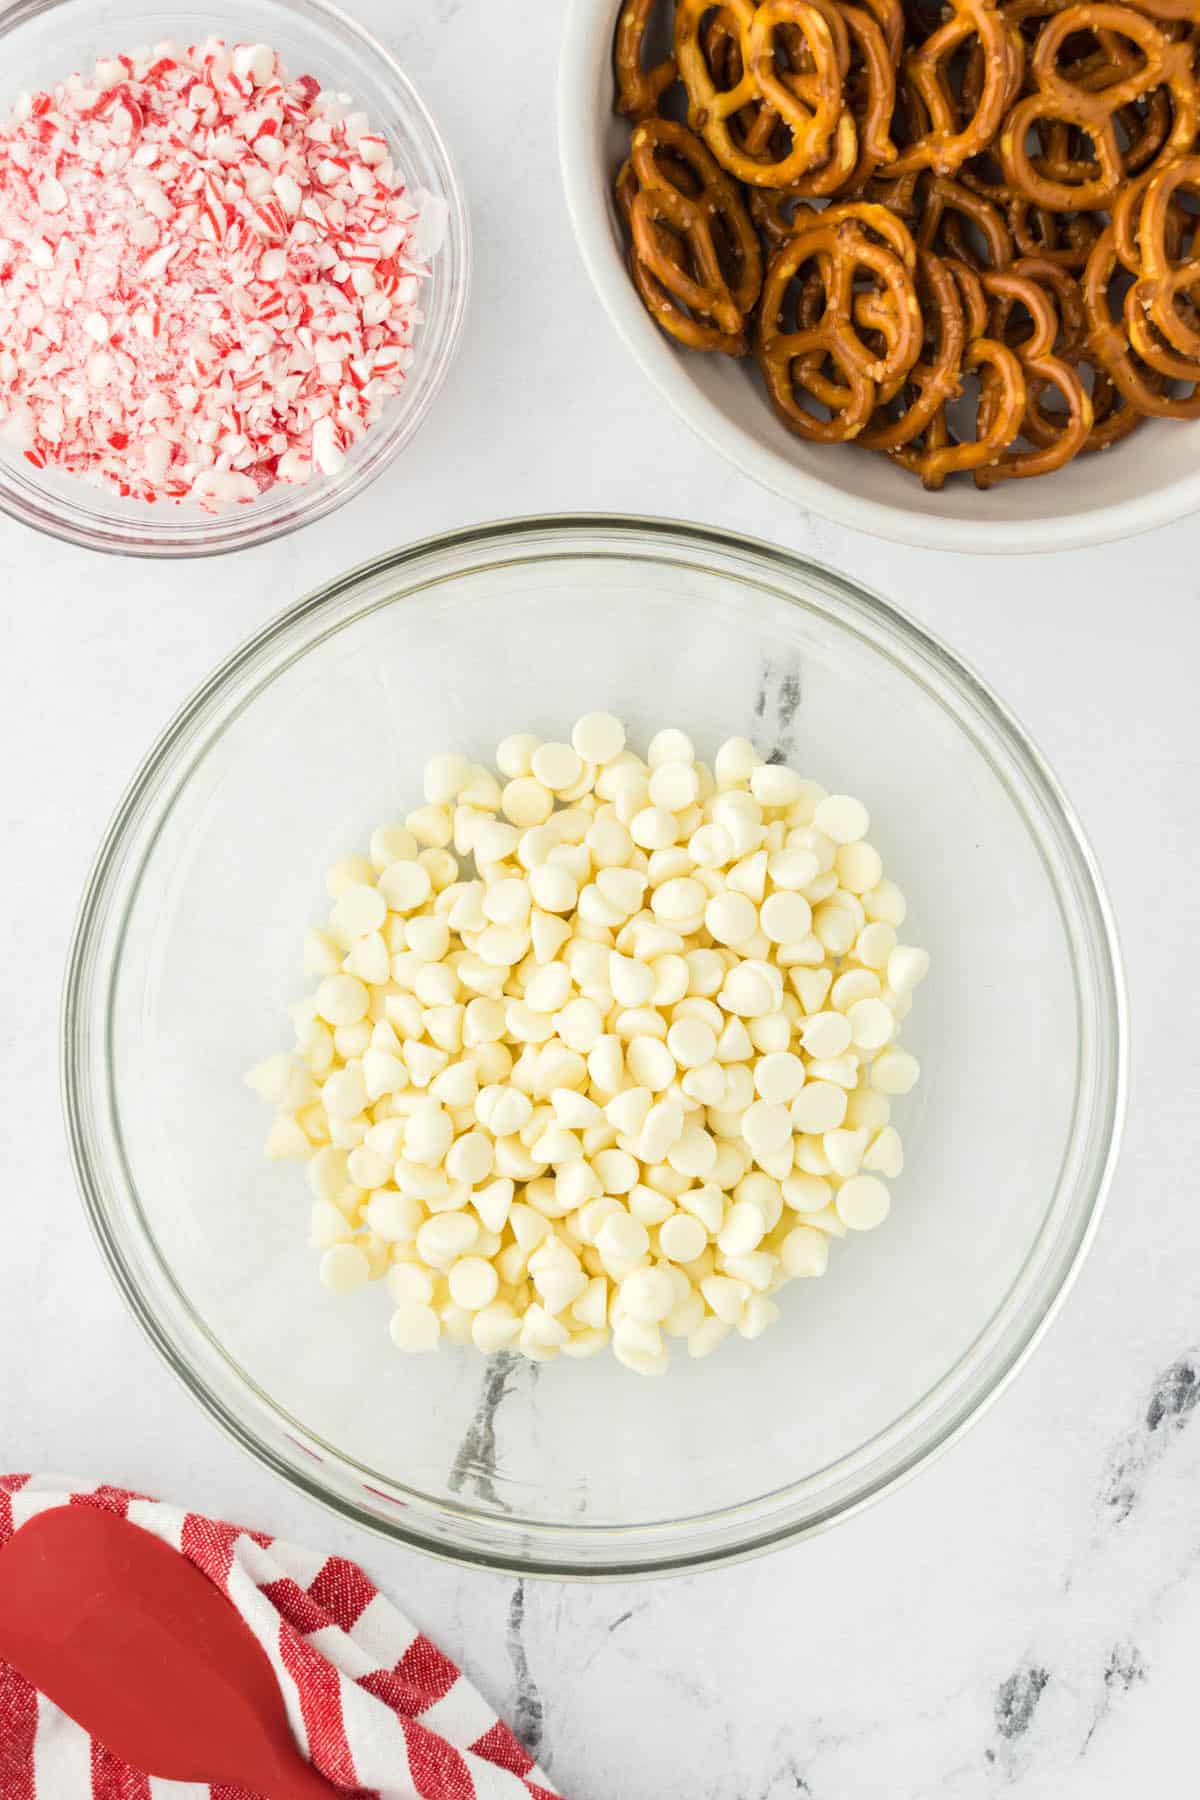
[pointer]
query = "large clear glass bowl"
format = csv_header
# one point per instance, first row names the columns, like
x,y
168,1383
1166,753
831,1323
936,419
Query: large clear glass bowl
x,y
188,950
42,42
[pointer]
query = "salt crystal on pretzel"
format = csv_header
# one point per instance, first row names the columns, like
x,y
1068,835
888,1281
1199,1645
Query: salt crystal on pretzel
x,y
208,275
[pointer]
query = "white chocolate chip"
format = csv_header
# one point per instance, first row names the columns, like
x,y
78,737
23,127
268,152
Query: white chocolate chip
x,y
906,968
598,737
344,1269
894,1071
805,1252
556,766
682,1238
842,818
862,1203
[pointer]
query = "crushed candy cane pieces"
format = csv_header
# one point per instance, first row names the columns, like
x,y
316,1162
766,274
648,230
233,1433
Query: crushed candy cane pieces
x,y
209,275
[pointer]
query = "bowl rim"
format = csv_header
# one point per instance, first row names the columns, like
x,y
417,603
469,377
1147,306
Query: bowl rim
x,y
541,1548
587,26
221,534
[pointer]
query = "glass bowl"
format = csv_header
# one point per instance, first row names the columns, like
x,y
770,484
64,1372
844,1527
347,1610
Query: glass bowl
x,y
188,949
43,41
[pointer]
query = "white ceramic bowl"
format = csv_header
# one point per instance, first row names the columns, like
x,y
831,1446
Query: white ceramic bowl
x,y
1149,480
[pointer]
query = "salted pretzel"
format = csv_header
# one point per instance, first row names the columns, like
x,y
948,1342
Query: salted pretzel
x,y
754,125
1008,295
934,380
1127,219
951,138
876,30
808,105
757,130
639,90
1008,289
694,332
998,419
1115,418
885,322
862,140
1156,351
946,208
1109,345
793,362
695,254
889,339
1058,98
889,16
971,296
1166,279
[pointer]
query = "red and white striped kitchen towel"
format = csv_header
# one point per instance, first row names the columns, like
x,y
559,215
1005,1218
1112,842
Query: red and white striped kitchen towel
x,y
376,1707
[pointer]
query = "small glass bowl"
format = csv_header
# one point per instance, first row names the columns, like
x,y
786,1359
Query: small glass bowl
x,y
43,41
188,949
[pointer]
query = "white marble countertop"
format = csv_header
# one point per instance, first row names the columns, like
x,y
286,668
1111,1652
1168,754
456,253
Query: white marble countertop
x,y
1022,1618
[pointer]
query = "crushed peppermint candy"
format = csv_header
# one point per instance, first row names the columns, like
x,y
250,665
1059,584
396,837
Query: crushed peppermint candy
x,y
209,275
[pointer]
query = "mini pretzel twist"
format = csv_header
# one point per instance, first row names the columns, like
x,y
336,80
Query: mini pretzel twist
x,y
971,296
999,414
948,206
808,105
639,90
1008,288
695,255
872,310
1115,417
951,138
1060,98
757,130
793,361
873,90
1109,344
1165,279
935,380
1058,287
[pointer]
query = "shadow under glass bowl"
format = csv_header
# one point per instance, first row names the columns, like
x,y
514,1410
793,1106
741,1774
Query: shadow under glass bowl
x,y
188,949
44,41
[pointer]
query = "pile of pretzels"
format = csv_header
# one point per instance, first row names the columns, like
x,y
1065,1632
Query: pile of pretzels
x,y
968,241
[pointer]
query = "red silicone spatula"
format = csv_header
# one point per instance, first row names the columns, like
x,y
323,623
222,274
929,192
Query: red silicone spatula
x,y
130,1639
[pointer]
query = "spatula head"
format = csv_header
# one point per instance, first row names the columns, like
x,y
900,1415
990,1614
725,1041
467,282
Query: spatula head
x,y
136,1644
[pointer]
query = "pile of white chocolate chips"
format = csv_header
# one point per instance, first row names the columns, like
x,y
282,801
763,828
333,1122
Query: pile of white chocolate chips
x,y
622,1081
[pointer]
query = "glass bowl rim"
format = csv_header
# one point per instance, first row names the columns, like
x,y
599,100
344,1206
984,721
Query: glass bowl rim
x,y
223,534
543,1548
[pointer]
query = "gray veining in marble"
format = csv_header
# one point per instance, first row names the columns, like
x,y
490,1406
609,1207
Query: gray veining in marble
x,y
475,1464
527,1711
